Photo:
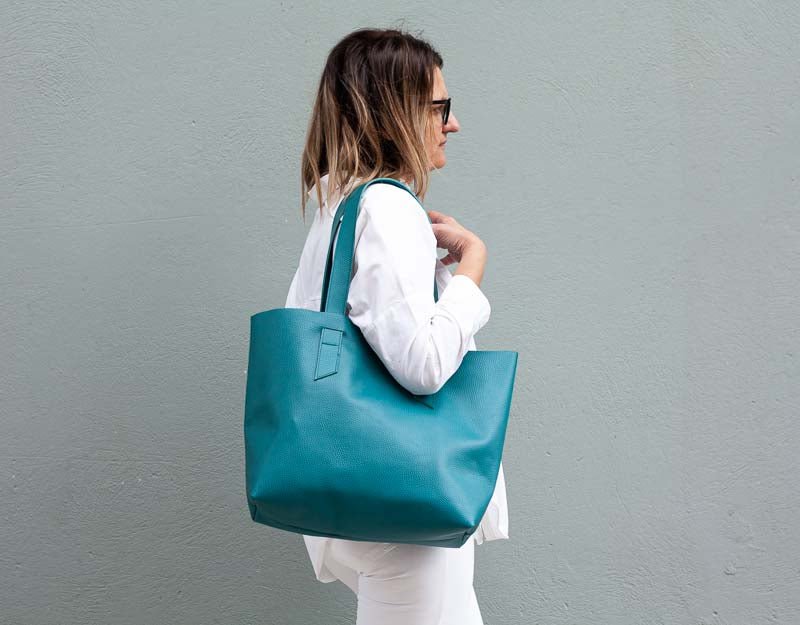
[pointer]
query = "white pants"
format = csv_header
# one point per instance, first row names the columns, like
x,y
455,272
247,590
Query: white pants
x,y
399,584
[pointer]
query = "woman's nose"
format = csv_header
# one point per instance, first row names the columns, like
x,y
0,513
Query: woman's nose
x,y
452,124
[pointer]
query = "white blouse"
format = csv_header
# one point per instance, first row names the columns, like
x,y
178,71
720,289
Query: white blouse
x,y
420,341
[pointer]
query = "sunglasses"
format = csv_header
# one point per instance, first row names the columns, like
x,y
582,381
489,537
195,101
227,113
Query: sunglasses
x,y
445,110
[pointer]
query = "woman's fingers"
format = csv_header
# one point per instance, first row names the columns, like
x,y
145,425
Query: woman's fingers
x,y
445,234
451,238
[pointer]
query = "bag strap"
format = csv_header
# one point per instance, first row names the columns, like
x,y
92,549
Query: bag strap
x,y
339,265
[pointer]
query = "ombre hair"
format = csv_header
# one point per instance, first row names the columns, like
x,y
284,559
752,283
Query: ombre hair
x,y
371,114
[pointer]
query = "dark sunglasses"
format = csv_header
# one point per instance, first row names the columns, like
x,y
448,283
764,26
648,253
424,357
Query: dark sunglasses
x,y
445,110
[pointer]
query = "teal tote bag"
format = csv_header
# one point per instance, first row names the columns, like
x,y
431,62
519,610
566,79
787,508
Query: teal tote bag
x,y
335,446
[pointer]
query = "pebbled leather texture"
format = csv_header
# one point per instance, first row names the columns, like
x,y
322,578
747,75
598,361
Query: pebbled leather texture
x,y
335,446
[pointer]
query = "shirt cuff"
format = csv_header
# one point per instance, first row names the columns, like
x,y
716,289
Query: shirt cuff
x,y
465,301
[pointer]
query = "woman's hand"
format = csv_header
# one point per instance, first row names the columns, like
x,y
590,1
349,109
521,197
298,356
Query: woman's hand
x,y
462,245
453,237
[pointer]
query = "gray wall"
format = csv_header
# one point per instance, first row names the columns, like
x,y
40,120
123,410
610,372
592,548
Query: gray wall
x,y
633,168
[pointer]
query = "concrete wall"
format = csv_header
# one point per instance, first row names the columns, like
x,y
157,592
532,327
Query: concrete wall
x,y
634,169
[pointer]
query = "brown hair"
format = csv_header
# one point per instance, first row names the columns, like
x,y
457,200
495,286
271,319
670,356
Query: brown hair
x,y
372,113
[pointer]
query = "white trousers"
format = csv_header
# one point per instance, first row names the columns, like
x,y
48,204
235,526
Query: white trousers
x,y
399,584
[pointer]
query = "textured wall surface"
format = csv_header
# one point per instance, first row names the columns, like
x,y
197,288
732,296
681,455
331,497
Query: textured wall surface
x,y
634,170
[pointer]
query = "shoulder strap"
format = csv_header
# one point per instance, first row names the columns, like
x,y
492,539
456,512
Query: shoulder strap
x,y
339,265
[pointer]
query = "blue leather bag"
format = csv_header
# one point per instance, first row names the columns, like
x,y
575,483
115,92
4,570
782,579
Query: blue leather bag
x,y
335,446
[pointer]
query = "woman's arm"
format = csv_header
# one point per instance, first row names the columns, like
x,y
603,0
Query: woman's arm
x,y
419,341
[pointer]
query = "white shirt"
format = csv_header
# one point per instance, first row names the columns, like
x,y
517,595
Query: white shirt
x,y
420,341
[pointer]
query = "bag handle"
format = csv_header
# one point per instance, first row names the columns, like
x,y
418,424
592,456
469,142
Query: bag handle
x,y
339,266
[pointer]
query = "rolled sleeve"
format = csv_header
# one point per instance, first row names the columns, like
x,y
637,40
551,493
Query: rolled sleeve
x,y
465,302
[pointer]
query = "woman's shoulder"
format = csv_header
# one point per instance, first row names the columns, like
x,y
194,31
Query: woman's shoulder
x,y
390,206
389,192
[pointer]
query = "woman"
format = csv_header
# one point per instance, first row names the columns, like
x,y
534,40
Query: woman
x,y
382,110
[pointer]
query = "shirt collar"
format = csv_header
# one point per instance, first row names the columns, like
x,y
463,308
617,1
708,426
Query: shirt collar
x,y
330,197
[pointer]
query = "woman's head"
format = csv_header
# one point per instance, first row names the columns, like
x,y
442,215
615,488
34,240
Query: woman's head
x,y
373,115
